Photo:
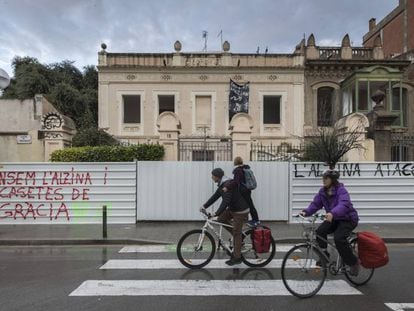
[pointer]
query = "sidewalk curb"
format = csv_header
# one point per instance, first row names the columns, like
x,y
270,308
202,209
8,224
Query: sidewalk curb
x,y
45,242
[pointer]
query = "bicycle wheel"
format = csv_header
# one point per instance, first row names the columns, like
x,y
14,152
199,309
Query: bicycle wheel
x,y
249,255
196,249
300,274
365,274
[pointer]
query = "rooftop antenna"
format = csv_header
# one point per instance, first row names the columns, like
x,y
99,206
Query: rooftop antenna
x,y
220,34
205,36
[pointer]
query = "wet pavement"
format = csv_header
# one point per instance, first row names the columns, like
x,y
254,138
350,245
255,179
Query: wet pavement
x,y
43,277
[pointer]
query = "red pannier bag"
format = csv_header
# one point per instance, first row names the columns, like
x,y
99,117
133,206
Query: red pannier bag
x,y
261,239
372,251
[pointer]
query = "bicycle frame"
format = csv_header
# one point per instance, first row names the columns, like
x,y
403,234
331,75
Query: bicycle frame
x,y
209,224
310,235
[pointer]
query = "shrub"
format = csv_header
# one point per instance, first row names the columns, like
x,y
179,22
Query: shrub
x,y
118,153
93,137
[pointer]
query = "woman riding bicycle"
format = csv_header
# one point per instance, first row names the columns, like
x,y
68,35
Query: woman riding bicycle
x,y
341,217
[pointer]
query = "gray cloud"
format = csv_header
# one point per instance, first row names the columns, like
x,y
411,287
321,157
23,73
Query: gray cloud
x,y
54,30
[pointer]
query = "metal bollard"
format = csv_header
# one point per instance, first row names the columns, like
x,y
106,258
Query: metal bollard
x,y
104,223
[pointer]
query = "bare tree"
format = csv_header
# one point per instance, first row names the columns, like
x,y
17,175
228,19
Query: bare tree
x,y
330,144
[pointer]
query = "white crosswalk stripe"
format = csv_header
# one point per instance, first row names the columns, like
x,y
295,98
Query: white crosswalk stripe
x,y
200,288
283,248
138,264
164,258
400,306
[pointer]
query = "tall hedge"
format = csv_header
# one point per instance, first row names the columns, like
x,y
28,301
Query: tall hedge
x,y
142,152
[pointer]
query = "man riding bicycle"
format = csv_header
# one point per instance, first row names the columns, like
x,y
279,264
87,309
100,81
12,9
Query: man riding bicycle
x,y
233,206
341,218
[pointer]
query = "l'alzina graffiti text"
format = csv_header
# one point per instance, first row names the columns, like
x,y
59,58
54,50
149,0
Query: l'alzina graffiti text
x,y
353,169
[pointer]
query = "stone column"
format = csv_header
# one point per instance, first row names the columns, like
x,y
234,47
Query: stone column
x,y
378,51
312,52
380,127
169,128
346,49
58,131
241,131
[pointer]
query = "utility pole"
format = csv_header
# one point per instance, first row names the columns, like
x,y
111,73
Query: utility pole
x,y
220,34
205,36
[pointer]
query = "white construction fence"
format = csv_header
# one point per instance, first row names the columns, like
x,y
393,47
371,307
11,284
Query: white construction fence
x,y
50,193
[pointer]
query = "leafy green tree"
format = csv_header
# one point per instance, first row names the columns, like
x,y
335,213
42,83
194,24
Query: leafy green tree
x,y
74,93
93,137
30,78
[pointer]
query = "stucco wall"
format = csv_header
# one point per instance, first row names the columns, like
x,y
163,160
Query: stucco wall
x,y
186,86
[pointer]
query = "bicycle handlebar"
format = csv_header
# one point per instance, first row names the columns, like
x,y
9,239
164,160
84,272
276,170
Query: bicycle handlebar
x,y
208,215
311,218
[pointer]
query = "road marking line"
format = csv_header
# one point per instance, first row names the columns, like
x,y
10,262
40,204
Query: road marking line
x,y
200,288
283,248
175,264
400,306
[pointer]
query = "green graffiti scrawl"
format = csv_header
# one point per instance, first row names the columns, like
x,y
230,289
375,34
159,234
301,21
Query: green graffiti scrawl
x,y
84,209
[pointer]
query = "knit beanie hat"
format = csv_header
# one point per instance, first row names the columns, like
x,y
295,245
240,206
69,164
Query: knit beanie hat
x,y
218,172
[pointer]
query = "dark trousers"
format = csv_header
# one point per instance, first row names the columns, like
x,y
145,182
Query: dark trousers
x,y
247,196
341,231
238,221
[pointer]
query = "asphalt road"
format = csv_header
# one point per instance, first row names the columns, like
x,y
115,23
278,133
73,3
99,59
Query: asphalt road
x,y
43,278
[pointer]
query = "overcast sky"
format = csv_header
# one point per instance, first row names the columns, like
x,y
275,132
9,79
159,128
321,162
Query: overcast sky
x,y
55,30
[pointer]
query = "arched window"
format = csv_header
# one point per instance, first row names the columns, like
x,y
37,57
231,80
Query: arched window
x,y
325,99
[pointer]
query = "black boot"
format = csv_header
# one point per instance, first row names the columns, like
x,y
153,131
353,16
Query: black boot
x,y
323,261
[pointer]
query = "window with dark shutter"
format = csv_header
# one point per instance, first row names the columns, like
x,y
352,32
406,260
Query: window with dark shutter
x,y
271,109
132,108
165,103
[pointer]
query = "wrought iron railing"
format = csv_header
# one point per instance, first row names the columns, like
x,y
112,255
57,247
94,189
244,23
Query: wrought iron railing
x,y
205,150
402,147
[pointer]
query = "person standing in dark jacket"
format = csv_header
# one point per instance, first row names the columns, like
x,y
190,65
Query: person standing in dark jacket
x,y
233,206
341,218
239,178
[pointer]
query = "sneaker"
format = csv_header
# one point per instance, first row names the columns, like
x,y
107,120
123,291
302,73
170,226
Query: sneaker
x,y
323,260
234,261
354,270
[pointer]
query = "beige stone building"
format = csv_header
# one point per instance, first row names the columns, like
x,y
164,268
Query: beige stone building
x,y
182,100
340,82
30,130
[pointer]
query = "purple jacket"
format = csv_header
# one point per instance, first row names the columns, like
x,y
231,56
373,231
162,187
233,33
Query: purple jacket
x,y
339,204
238,174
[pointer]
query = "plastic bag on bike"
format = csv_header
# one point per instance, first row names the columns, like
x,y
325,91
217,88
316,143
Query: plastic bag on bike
x,y
372,251
261,239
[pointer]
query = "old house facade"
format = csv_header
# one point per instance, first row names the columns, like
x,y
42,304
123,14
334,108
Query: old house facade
x,y
182,100
396,31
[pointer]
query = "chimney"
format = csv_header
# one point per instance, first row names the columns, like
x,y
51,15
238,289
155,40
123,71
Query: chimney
x,y
372,24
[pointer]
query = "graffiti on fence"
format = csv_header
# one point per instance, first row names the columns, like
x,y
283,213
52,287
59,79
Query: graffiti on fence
x,y
380,170
33,194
